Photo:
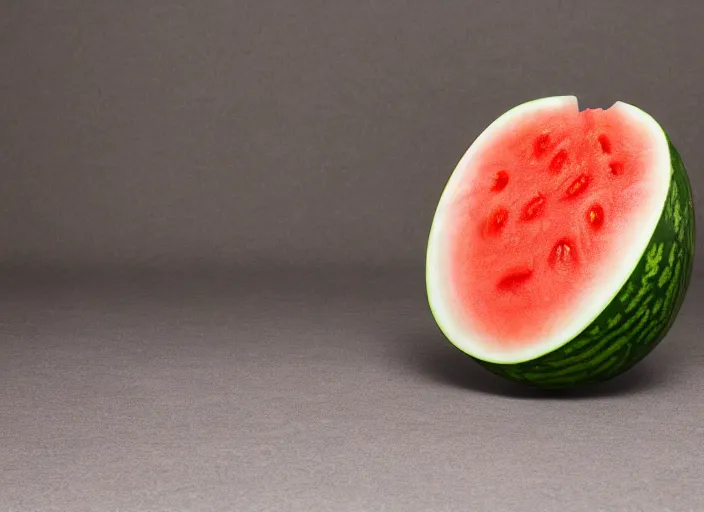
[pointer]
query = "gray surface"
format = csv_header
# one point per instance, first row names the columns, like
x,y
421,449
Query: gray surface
x,y
306,131
305,393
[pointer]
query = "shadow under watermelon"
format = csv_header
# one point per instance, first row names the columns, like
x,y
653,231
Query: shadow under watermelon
x,y
434,358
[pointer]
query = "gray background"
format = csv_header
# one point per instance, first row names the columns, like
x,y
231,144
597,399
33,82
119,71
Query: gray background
x,y
298,132
213,224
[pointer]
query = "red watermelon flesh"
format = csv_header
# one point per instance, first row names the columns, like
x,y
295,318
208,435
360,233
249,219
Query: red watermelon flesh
x,y
543,208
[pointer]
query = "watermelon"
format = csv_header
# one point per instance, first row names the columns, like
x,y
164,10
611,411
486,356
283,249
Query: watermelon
x,y
562,245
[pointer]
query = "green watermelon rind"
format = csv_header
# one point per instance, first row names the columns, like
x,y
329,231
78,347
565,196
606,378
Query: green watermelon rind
x,y
644,310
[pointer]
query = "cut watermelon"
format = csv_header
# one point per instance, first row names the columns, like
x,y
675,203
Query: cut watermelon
x,y
562,245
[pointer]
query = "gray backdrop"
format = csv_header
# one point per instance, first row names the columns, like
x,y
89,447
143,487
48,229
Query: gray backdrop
x,y
213,219
295,131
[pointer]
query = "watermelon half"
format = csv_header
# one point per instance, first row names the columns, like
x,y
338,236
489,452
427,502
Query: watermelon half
x,y
562,246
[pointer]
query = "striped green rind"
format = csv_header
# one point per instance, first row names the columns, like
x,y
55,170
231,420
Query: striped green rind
x,y
641,314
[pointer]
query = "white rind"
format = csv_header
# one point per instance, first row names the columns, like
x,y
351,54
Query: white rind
x,y
438,279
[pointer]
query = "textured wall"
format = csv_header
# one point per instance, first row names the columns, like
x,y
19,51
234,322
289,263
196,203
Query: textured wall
x,y
304,132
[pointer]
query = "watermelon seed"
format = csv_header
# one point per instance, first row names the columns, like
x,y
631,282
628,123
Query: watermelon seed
x,y
605,144
595,216
533,208
562,254
558,161
578,186
497,220
616,168
540,146
500,181
514,279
